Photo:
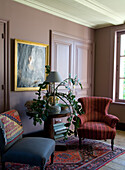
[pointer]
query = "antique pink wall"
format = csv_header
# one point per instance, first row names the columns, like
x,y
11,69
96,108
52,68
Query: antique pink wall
x,y
104,57
102,42
33,25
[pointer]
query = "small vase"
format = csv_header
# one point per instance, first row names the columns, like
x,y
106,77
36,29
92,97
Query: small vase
x,y
54,109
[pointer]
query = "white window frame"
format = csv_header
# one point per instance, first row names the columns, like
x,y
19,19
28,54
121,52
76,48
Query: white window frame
x,y
117,68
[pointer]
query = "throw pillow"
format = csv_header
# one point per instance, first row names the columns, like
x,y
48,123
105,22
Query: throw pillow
x,y
11,125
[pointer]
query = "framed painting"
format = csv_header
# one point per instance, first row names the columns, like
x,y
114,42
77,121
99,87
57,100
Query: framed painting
x,y
30,60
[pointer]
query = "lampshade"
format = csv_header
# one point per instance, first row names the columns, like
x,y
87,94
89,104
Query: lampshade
x,y
53,77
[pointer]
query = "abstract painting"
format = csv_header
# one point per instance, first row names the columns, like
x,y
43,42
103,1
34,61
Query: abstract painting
x,y
30,61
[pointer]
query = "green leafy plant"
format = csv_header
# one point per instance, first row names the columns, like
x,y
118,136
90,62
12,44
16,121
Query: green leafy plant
x,y
40,106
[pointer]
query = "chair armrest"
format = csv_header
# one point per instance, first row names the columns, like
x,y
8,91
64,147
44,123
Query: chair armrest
x,y
111,120
83,119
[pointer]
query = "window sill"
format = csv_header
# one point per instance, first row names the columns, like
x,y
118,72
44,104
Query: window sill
x,y
119,103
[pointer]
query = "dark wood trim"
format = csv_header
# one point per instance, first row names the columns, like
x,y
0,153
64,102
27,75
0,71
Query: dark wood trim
x,y
120,126
6,66
50,46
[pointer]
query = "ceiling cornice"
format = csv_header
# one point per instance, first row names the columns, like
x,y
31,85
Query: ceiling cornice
x,y
112,18
54,11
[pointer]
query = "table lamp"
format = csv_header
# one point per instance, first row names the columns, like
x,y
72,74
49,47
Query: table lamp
x,y
53,77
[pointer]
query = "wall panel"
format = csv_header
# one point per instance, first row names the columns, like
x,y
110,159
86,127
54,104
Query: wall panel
x,y
75,56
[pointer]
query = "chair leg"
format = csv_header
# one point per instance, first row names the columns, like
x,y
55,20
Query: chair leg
x,y
112,143
52,158
3,165
42,168
80,142
75,132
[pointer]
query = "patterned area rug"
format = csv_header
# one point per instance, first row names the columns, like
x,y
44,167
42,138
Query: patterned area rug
x,y
92,156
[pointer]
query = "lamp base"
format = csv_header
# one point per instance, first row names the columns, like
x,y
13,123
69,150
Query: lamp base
x,y
54,109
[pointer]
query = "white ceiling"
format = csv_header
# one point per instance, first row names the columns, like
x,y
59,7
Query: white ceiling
x,y
91,13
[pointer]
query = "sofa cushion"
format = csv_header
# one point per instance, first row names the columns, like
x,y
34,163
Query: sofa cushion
x,y
30,150
11,126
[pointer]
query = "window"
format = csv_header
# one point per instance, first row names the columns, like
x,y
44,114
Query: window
x,y
120,68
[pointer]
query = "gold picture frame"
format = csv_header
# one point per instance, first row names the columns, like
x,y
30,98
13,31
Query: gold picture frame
x,y
29,65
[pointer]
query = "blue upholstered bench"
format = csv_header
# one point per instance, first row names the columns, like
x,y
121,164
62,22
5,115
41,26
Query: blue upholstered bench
x,y
34,151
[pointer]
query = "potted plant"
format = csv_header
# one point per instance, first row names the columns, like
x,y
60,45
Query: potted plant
x,y
40,106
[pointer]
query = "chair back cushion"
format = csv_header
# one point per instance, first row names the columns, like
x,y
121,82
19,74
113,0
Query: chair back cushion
x,y
95,107
11,128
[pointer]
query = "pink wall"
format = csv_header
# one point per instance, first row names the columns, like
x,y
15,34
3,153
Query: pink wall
x,y
104,40
30,24
102,61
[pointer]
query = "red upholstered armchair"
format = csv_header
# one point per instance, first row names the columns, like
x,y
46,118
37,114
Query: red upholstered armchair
x,y
96,123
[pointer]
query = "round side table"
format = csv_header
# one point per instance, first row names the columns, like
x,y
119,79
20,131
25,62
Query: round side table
x,y
48,124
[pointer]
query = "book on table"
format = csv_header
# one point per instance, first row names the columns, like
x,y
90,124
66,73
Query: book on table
x,y
58,136
59,130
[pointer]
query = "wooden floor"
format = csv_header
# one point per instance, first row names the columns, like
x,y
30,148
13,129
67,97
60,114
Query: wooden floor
x,y
118,163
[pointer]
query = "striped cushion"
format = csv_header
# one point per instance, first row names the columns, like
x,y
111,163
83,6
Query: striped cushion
x,y
11,125
96,130
95,108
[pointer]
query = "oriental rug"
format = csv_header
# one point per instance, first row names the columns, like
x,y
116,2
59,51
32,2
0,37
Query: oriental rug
x,y
92,156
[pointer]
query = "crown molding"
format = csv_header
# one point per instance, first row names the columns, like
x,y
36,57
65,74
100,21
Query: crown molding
x,y
111,17
54,11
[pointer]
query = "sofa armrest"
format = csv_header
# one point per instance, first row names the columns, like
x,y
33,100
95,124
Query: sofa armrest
x,y
83,119
111,120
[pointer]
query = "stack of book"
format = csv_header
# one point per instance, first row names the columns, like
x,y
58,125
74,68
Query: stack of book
x,y
59,130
